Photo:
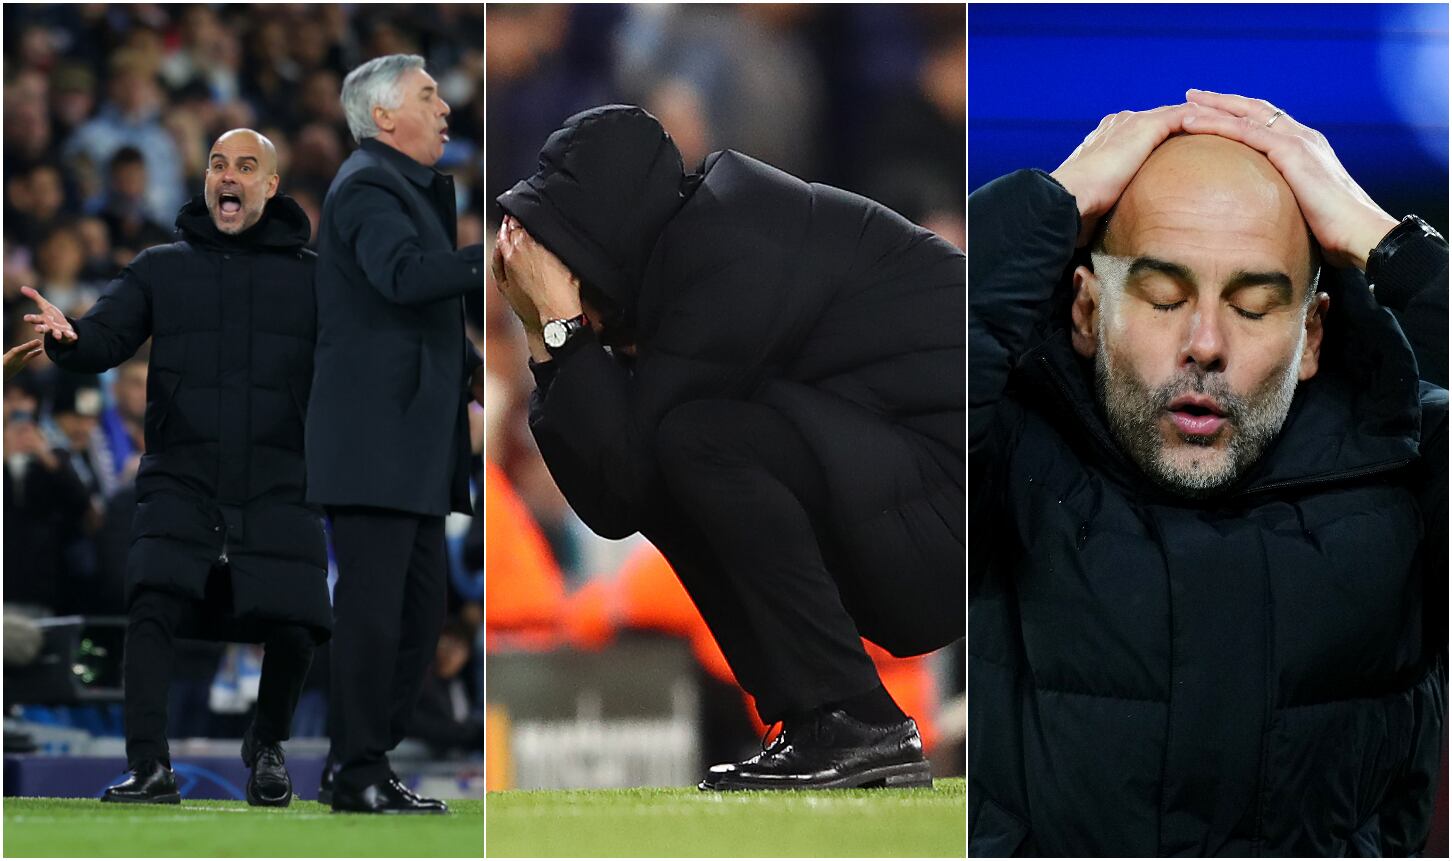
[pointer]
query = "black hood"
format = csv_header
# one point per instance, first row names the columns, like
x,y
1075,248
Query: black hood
x,y
1361,412
283,226
608,181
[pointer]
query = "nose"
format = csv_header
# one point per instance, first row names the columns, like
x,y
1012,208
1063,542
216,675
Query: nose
x,y
1205,343
444,108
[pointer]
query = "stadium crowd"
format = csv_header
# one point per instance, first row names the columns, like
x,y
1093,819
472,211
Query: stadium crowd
x,y
870,98
109,111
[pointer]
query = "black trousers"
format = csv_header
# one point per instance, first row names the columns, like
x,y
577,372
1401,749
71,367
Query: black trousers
x,y
155,620
388,609
750,537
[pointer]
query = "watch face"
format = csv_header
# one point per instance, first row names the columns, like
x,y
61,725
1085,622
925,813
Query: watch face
x,y
555,333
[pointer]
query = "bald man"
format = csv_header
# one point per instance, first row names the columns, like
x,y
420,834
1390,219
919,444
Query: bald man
x,y
224,545
1208,472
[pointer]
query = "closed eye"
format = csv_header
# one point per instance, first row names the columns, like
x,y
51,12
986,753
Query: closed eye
x,y
1249,315
1170,306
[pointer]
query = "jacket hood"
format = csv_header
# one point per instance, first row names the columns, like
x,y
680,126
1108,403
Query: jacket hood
x,y
1361,413
283,226
608,181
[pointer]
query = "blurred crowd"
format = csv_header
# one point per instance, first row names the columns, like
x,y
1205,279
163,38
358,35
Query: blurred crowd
x,y
866,97
109,113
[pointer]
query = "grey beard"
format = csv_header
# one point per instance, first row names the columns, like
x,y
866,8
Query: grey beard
x,y
1134,411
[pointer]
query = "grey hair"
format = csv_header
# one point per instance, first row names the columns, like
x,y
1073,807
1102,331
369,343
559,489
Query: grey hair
x,y
375,84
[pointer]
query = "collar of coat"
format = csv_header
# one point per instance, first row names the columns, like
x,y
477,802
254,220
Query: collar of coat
x,y
1361,413
283,226
419,174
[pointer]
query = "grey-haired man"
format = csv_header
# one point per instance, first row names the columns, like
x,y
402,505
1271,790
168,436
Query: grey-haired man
x,y
388,434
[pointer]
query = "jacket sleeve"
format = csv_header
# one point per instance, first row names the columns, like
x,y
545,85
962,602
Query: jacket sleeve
x,y
1412,284
114,328
1023,227
581,418
373,222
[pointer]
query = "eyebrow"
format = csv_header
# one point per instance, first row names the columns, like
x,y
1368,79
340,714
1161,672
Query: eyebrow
x,y
1280,282
217,155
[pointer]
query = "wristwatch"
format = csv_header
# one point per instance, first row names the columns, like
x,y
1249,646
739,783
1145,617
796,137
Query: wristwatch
x,y
1401,237
558,332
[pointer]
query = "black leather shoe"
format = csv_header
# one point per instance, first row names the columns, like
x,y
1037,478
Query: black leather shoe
x,y
385,796
433,804
830,750
269,785
151,782
325,784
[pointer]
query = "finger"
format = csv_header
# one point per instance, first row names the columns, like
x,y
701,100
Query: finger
x,y
1240,129
1233,104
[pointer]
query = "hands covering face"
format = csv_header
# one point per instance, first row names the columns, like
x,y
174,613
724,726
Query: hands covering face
x,y
537,285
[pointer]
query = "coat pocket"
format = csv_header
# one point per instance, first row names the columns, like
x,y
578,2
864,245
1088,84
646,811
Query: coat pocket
x,y
159,404
997,833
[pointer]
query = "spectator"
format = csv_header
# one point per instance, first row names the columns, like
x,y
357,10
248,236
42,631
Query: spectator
x,y
132,117
123,208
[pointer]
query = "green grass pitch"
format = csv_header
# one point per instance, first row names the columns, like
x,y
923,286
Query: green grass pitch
x,y
86,828
862,823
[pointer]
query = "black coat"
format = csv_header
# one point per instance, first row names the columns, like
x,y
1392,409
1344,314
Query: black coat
x,y
1260,673
744,282
232,326
388,425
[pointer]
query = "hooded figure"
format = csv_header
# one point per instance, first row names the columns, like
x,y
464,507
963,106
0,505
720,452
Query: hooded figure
x,y
1257,670
779,410
223,544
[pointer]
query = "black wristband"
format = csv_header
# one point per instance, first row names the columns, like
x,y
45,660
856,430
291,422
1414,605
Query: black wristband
x,y
1402,261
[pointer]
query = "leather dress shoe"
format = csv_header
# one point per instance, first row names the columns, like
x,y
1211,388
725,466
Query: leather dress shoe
x,y
830,749
269,784
150,782
385,796
433,804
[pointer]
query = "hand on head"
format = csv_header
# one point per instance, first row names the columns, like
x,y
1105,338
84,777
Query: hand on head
x,y
1347,223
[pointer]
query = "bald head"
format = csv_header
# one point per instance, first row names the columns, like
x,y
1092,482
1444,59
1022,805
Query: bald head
x,y
241,178
1212,192
251,141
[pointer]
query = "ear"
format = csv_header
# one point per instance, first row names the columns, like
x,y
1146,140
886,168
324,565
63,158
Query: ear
x,y
272,185
1315,329
1084,335
383,119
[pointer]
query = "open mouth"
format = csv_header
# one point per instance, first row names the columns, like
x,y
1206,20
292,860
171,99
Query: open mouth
x,y
229,203
444,134
1196,417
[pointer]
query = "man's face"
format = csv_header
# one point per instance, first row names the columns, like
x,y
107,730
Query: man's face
x,y
241,178
419,127
1200,332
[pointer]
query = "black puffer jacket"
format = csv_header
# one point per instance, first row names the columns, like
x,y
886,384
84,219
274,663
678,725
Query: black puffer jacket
x,y
745,282
232,321
1262,673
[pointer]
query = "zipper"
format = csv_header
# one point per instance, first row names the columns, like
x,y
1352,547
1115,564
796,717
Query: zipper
x,y
1361,472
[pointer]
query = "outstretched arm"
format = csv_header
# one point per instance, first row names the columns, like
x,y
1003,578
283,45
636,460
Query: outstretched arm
x,y
108,334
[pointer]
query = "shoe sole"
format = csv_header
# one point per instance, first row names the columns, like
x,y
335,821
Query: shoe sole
x,y
258,801
908,775
395,812
170,798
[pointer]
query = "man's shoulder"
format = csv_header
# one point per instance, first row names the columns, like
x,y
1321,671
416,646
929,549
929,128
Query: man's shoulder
x,y
1433,401
362,166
